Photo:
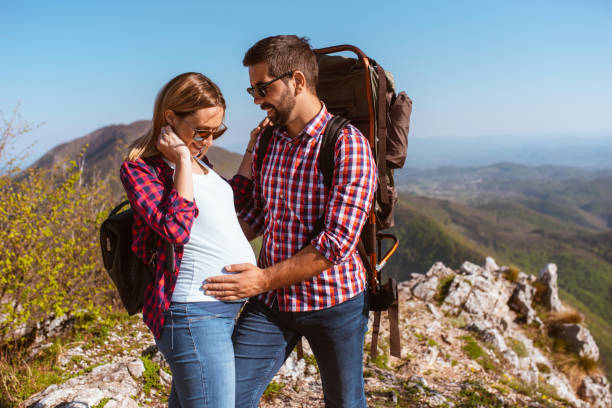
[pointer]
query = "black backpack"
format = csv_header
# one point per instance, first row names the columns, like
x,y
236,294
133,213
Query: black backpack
x,y
130,274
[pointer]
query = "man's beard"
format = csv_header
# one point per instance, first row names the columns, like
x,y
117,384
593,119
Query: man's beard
x,y
281,113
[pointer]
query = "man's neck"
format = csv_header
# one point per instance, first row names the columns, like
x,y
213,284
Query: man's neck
x,y
305,110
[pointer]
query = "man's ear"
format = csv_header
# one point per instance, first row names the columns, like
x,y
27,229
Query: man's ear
x,y
300,82
170,117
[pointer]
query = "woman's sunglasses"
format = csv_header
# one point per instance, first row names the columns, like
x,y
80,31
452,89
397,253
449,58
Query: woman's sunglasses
x,y
261,88
203,134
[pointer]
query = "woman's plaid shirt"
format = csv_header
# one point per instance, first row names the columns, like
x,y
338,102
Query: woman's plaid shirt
x,y
288,198
158,209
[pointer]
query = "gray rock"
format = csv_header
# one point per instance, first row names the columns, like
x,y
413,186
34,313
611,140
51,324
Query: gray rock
x,y
579,340
491,265
511,357
485,331
469,268
440,270
521,299
426,289
487,299
136,368
108,381
458,292
434,310
562,387
596,391
548,277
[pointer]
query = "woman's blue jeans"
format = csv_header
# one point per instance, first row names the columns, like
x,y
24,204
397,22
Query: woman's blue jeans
x,y
264,338
198,347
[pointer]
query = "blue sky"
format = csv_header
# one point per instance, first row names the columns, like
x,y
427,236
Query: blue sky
x,y
473,68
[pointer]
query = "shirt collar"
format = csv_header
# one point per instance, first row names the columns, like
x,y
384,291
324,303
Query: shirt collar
x,y
317,124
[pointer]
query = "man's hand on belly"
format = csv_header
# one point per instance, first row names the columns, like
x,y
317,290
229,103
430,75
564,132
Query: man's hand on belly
x,y
245,280
249,280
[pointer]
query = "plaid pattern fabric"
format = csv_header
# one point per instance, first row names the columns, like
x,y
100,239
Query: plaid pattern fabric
x,y
288,198
158,209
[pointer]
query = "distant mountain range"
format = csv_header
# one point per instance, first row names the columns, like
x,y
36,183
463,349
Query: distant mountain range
x,y
107,147
579,195
594,151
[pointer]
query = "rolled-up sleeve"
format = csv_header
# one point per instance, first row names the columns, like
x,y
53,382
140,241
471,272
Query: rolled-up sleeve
x,y
168,214
350,198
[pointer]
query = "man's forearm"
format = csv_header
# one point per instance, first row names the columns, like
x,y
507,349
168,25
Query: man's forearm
x,y
302,266
248,280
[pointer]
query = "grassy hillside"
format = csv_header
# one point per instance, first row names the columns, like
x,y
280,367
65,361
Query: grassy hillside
x,y
439,230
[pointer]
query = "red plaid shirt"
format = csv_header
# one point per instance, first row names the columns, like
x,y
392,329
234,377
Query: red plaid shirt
x,y
289,196
158,209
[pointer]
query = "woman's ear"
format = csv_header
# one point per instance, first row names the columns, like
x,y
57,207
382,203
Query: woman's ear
x,y
170,117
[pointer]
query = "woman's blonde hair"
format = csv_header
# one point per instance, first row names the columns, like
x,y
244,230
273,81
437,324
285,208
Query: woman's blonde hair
x,y
184,94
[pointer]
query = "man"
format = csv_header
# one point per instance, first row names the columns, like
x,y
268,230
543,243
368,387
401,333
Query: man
x,y
311,283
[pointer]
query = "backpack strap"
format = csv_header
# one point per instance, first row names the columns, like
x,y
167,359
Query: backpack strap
x,y
262,148
328,143
382,136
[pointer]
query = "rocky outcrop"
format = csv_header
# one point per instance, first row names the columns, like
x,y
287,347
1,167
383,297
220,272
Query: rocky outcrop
x,y
114,383
579,340
596,391
494,307
521,299
548,278
442,312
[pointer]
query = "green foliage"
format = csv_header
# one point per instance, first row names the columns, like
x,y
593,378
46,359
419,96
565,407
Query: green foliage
x,y
543,368
381,361
102,403
511,274
272,390
443,288
474,395
49,257
150,375
518,347
473,350
310,359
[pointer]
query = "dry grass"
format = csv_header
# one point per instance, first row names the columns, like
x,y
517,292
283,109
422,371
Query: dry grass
x,y
511,274
566,316
576,367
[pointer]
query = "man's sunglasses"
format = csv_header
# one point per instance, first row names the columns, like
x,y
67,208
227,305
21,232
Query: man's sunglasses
x,y
203,134
261,88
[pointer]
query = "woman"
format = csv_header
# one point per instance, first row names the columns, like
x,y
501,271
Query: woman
x,y
177,197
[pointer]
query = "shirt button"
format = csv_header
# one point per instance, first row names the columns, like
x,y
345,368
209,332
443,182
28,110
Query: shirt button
x,y
282,196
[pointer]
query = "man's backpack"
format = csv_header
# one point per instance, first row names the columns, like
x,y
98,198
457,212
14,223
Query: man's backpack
x,y
130,274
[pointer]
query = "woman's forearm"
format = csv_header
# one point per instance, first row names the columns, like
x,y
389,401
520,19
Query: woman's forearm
x,y
183,182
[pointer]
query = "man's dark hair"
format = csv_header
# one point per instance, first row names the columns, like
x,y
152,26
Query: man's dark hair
x,y
284,53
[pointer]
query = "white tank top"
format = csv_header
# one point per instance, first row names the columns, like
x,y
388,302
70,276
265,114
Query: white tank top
x,y
216,239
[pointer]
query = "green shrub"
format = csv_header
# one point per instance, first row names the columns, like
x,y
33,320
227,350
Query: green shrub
x,y
519,348
150,375
102,403
443,288
50,256
512,273
272,390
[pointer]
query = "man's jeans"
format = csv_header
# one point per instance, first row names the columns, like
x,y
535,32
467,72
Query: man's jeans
x,y
198,348
264,338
